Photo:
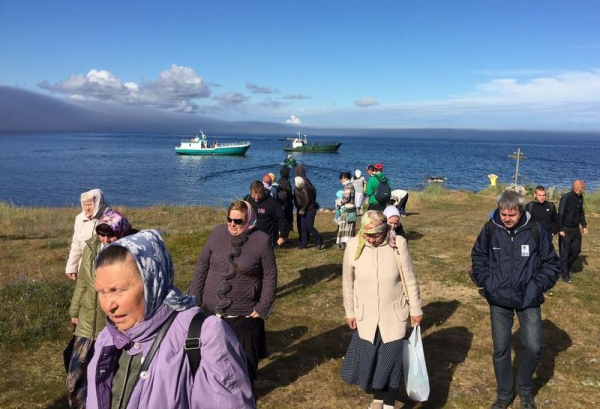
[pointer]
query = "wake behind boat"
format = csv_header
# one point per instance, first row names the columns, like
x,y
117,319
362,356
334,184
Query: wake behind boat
x,y
198,145
300,144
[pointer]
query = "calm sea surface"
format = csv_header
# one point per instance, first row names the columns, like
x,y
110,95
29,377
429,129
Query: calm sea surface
x,y
143,169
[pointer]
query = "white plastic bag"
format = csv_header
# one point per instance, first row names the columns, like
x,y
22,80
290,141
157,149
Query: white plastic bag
x,y
415,370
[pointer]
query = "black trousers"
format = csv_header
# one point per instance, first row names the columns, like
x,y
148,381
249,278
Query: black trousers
x,y
376,206
570,247
402,205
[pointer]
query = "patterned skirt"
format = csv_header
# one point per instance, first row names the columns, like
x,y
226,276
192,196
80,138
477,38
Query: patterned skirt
x,y
345,230
373,366
83,350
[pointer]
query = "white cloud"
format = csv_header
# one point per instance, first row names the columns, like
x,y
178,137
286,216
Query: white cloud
x,y
271,103
174,89
296,96
366,102
574,86
256,89
231,98
293,120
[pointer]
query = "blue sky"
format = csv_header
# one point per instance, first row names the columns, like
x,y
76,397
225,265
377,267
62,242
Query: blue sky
x,y
356,64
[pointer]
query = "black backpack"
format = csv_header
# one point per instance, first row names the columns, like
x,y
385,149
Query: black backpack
x,y
282,196
192,348
383,193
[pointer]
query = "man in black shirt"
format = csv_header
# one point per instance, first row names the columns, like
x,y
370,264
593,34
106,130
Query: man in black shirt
x,y
542,211
570,216
269,215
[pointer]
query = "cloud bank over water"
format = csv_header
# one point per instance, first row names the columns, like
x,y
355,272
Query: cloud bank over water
x,y
179,98
175,89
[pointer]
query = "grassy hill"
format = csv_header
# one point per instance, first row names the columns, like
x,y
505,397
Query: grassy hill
x,y
307,334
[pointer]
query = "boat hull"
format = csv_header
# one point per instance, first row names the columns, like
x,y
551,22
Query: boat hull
x,y
315,148
218,151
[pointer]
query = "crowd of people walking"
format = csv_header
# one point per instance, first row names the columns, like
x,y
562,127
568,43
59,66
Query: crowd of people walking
x,y
139,341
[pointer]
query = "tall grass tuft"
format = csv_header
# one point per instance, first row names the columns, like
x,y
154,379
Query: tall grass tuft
x,y
493,190
592,201
32,222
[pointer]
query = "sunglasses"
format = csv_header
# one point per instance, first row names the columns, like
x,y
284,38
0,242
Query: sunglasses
x,y
110,235
235,221
373,236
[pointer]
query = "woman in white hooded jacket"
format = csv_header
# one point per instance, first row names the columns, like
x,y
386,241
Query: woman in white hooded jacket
x,y
93,207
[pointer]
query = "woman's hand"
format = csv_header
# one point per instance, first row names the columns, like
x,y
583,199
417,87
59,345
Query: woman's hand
x,y
74,320
351,322
254,314
416,320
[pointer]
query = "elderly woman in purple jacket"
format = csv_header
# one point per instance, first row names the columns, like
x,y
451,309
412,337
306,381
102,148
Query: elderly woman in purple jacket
x,y
145,312
236,279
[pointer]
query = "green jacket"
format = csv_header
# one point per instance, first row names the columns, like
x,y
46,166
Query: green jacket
x,y
84,304
372,186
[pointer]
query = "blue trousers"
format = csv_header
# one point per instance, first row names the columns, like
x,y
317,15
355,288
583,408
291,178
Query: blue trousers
x,y
530,320
307,228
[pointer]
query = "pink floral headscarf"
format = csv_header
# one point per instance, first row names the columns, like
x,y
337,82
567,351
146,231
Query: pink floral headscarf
x,y
250,219
116,221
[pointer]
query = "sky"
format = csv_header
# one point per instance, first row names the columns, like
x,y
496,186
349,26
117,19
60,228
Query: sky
x,y
477,64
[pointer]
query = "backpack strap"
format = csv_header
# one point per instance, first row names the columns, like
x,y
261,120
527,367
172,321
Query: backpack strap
x,y
489,228
150,355
192,343
535,233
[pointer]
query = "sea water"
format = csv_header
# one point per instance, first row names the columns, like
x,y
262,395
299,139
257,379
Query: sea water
x,y
143,169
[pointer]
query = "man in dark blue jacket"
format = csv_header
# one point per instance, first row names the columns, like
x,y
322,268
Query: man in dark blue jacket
x,y
514,265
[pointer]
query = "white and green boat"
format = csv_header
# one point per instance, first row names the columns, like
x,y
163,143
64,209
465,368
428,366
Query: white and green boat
x,y
198,145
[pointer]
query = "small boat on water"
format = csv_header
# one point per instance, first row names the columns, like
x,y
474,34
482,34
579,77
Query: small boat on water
x,y
290,162
300,144
436,179
198,145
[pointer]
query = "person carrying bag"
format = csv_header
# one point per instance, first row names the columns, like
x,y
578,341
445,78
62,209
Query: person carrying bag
x,y
377,308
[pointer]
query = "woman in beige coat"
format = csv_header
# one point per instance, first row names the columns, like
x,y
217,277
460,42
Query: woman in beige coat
x,y
381,292
93,206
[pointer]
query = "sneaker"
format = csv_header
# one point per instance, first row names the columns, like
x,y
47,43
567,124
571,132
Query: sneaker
x,y
567,279
527,402
500,404
320,246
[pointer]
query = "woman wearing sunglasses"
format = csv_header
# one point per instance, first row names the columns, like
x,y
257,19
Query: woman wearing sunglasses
x,y
381,292
236,278
85,311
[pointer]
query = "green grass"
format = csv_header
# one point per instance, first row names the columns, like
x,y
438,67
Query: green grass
x,y
33,312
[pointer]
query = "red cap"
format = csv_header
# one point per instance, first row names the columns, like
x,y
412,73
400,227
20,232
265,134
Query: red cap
x,y
379,166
